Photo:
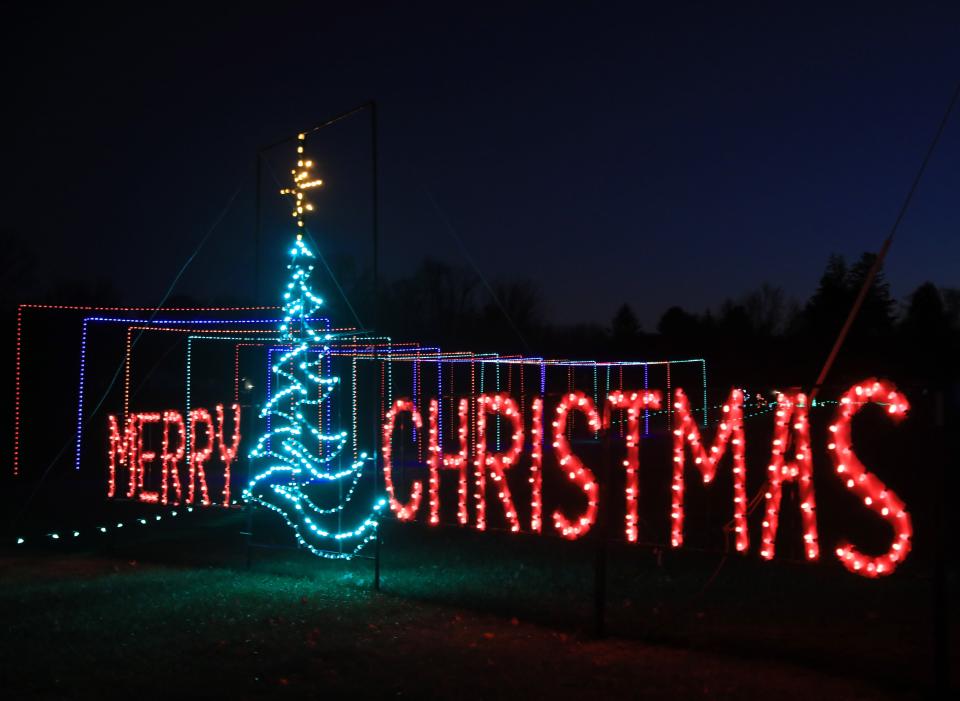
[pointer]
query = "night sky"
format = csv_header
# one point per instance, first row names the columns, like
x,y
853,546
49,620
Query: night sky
x,y
654,155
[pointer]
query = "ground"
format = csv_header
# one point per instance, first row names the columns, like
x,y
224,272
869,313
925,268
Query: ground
x,y
84,623
79,625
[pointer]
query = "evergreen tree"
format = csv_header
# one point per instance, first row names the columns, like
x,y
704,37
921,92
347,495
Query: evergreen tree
x,y
678,323
624,328
876,317
925,317
827,308
765,308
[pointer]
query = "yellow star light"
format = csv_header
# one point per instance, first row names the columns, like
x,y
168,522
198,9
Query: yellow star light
x,y
301,183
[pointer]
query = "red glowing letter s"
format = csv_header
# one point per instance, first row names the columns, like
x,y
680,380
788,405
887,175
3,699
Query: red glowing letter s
x,y
871,490
581,475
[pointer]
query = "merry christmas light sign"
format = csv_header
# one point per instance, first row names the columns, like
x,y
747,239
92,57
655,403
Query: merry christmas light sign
x,y
498,444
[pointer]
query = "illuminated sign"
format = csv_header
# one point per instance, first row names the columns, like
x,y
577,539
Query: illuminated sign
x,y
791,461
497,429
514,440
126,450
539,439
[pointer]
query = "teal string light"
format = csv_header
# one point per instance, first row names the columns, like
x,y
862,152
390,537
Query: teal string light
x,y
103,530
294,456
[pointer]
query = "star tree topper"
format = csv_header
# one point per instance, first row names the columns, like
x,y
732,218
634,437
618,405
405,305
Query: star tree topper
x,y
301,184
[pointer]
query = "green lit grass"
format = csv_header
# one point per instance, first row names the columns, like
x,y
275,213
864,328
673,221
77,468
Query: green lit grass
x,y
460,614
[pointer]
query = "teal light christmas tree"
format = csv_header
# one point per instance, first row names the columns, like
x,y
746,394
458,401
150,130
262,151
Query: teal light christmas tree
x,y
294,460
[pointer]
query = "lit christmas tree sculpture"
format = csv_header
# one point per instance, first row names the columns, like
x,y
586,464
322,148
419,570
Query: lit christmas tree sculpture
x,y
294,457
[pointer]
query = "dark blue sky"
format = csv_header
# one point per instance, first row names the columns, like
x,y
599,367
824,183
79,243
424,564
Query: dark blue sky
x,y
649,154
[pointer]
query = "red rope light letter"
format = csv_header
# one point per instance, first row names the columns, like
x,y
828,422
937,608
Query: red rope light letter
x,y
577,472
145,456
227,454
170,461
536,467
495,464
634,403
404,512
730,431
874,493
123,451
453,461
790,408
199,457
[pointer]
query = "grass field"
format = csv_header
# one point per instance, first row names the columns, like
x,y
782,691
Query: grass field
x,y
178,614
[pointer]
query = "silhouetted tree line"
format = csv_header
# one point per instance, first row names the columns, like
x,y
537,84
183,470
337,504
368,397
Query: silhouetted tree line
x,y
759,337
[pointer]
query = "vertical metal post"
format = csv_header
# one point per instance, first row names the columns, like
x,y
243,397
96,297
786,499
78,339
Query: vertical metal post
x,y
375,225
257,216
258,203
941,613
248,534
602,535
340,483
248,507
375,190
256,233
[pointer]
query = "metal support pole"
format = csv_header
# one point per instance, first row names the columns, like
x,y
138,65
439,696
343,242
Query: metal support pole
x,y
258,204
249,506
375,214
248,533
601,537
941,612
375,225
376,559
